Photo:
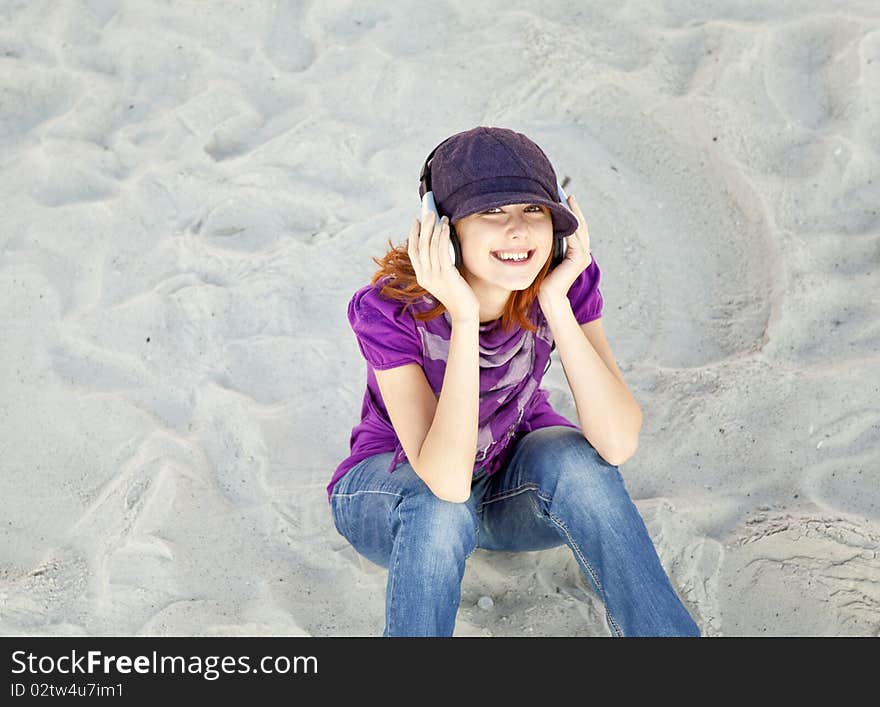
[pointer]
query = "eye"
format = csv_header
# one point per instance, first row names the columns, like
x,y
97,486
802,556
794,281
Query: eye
x,y
531,208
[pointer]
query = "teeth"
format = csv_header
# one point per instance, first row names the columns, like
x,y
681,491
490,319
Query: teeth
x,y
511,256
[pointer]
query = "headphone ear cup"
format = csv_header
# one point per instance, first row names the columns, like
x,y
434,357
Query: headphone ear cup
x,y
454,248
560,245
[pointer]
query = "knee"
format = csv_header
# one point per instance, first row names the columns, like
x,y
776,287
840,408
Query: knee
x,y
572,466
442,528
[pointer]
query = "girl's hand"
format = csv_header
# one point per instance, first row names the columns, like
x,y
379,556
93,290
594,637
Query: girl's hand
x,y
428,249
577,258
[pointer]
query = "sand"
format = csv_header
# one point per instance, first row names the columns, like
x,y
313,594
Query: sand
x,y
192,191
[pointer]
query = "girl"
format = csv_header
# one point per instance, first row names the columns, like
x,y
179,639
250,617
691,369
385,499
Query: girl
x,y
458,446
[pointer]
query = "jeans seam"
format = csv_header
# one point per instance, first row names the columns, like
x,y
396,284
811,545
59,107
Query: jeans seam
x,y
476,535
509,493
357,493
580,554
393,571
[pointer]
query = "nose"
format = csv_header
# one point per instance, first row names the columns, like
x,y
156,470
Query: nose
x,y
516,223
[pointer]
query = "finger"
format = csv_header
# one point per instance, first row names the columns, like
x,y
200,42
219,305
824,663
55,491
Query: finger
x,y
583,242
443,247
583,232
446,263
575,207
425,239
582,222
435,245
412,245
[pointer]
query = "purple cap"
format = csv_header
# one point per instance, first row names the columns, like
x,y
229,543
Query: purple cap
x,y
487,167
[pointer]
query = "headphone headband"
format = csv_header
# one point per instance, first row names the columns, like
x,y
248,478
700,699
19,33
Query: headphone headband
x,y
425,174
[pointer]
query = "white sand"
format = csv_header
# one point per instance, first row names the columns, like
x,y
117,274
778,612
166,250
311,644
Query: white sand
x,y
192,191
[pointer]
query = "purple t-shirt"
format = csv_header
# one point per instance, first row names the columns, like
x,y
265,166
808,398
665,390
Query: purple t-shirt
x,y
512,365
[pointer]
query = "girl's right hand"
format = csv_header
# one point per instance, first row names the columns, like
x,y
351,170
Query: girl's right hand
x,y
428,248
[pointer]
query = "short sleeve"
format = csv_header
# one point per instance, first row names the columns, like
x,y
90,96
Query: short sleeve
x,y
387,338
584,295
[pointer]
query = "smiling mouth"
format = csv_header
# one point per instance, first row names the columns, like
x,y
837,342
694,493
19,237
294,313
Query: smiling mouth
x,y
514,262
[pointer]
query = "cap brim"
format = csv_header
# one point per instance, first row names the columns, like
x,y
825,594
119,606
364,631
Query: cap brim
x,y
564,221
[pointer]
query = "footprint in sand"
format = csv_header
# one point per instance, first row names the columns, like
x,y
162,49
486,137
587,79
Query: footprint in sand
x,y
806,575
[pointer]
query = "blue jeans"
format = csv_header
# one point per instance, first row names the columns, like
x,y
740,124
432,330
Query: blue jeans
x,y
555,489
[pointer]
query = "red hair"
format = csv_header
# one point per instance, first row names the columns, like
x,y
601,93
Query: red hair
x,y
401,285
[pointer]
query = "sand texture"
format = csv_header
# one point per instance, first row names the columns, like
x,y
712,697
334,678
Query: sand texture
x,y
193,190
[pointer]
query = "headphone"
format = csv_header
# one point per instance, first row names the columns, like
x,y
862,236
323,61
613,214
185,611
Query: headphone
x,y
560,245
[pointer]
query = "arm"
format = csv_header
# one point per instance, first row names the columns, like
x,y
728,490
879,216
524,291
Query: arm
x,y
609,416
439,436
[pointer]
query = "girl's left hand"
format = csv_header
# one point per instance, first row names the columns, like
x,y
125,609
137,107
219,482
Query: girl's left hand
x,y
577,258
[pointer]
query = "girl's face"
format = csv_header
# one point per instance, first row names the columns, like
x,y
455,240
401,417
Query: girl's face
x,y
512,229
